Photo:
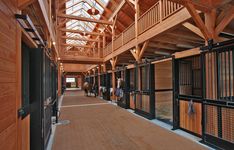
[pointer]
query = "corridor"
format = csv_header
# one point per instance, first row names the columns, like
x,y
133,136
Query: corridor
x,y
98,125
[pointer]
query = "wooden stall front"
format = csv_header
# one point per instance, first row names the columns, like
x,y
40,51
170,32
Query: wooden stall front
x,y
188,91
145,95
218,94
132,88
163,90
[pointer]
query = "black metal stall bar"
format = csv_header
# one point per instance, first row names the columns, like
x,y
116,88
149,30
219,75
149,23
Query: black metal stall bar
x,y
218,93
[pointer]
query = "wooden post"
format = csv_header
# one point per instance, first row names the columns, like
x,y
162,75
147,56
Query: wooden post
x,y
137,13
59,80
160,10
113,64
99,78
99,47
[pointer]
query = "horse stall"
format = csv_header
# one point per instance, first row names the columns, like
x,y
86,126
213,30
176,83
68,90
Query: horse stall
x,y
145,95
132,88
218,93
108,82
188,94
39,94
96,84
163,90
122,87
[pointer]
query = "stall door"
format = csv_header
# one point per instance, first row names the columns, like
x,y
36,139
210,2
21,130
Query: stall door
x,y
188,96
145,95
132,88
164,91
123,99
218,103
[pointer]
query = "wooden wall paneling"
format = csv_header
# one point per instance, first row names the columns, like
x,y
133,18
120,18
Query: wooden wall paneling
x,y
132,103
228,124
211,119
190,122
163,81
163,75
10,80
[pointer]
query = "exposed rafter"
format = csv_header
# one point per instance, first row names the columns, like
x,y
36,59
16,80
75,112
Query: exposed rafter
x,y
194,29
75,45
84,19
81,32
79,39
197,19
225,21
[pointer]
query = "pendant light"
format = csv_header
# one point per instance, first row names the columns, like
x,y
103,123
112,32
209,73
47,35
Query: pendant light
x,y
93,11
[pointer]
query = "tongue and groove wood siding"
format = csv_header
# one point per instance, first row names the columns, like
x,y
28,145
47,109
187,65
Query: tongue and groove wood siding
x,y
10,98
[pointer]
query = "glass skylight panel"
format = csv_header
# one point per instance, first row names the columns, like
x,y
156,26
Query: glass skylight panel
x,y
80,8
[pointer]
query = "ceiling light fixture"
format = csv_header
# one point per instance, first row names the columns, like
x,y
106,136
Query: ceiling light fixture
x,y
93,11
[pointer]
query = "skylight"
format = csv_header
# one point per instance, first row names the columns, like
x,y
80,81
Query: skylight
x,y
80,8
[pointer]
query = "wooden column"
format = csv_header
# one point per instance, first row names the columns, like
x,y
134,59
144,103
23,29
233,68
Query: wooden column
x,y
210,19
113,64
59,80
99,46
137,14
99,78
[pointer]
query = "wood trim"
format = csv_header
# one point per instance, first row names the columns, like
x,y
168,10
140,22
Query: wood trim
x,y
187,53
163,60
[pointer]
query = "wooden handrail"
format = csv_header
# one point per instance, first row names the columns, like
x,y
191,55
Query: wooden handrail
x,y
148,10
154,15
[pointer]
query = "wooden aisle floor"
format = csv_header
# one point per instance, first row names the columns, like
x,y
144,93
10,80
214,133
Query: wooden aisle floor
x,y
103,126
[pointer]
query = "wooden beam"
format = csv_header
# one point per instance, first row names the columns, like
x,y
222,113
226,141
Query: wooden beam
x,y
132,1
81,32
143,49
84,19
78,39
187,53
131,5
113,62
194,29
81,60
117,9
104,7
24,3
225,21
75,45
134,54
197,19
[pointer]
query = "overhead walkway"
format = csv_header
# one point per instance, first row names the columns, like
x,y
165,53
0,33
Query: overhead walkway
x,y
98,125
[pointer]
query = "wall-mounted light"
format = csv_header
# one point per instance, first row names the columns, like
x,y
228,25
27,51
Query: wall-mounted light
x,y
54,43
59,58
26,23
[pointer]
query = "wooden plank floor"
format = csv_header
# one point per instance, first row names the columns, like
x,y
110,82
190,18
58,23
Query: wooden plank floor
x,y
108,127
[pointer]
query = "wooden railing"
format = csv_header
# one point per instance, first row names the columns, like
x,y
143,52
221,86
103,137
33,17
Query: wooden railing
x,y
149,18
129,33
107,50
169,8
156,14
118,41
